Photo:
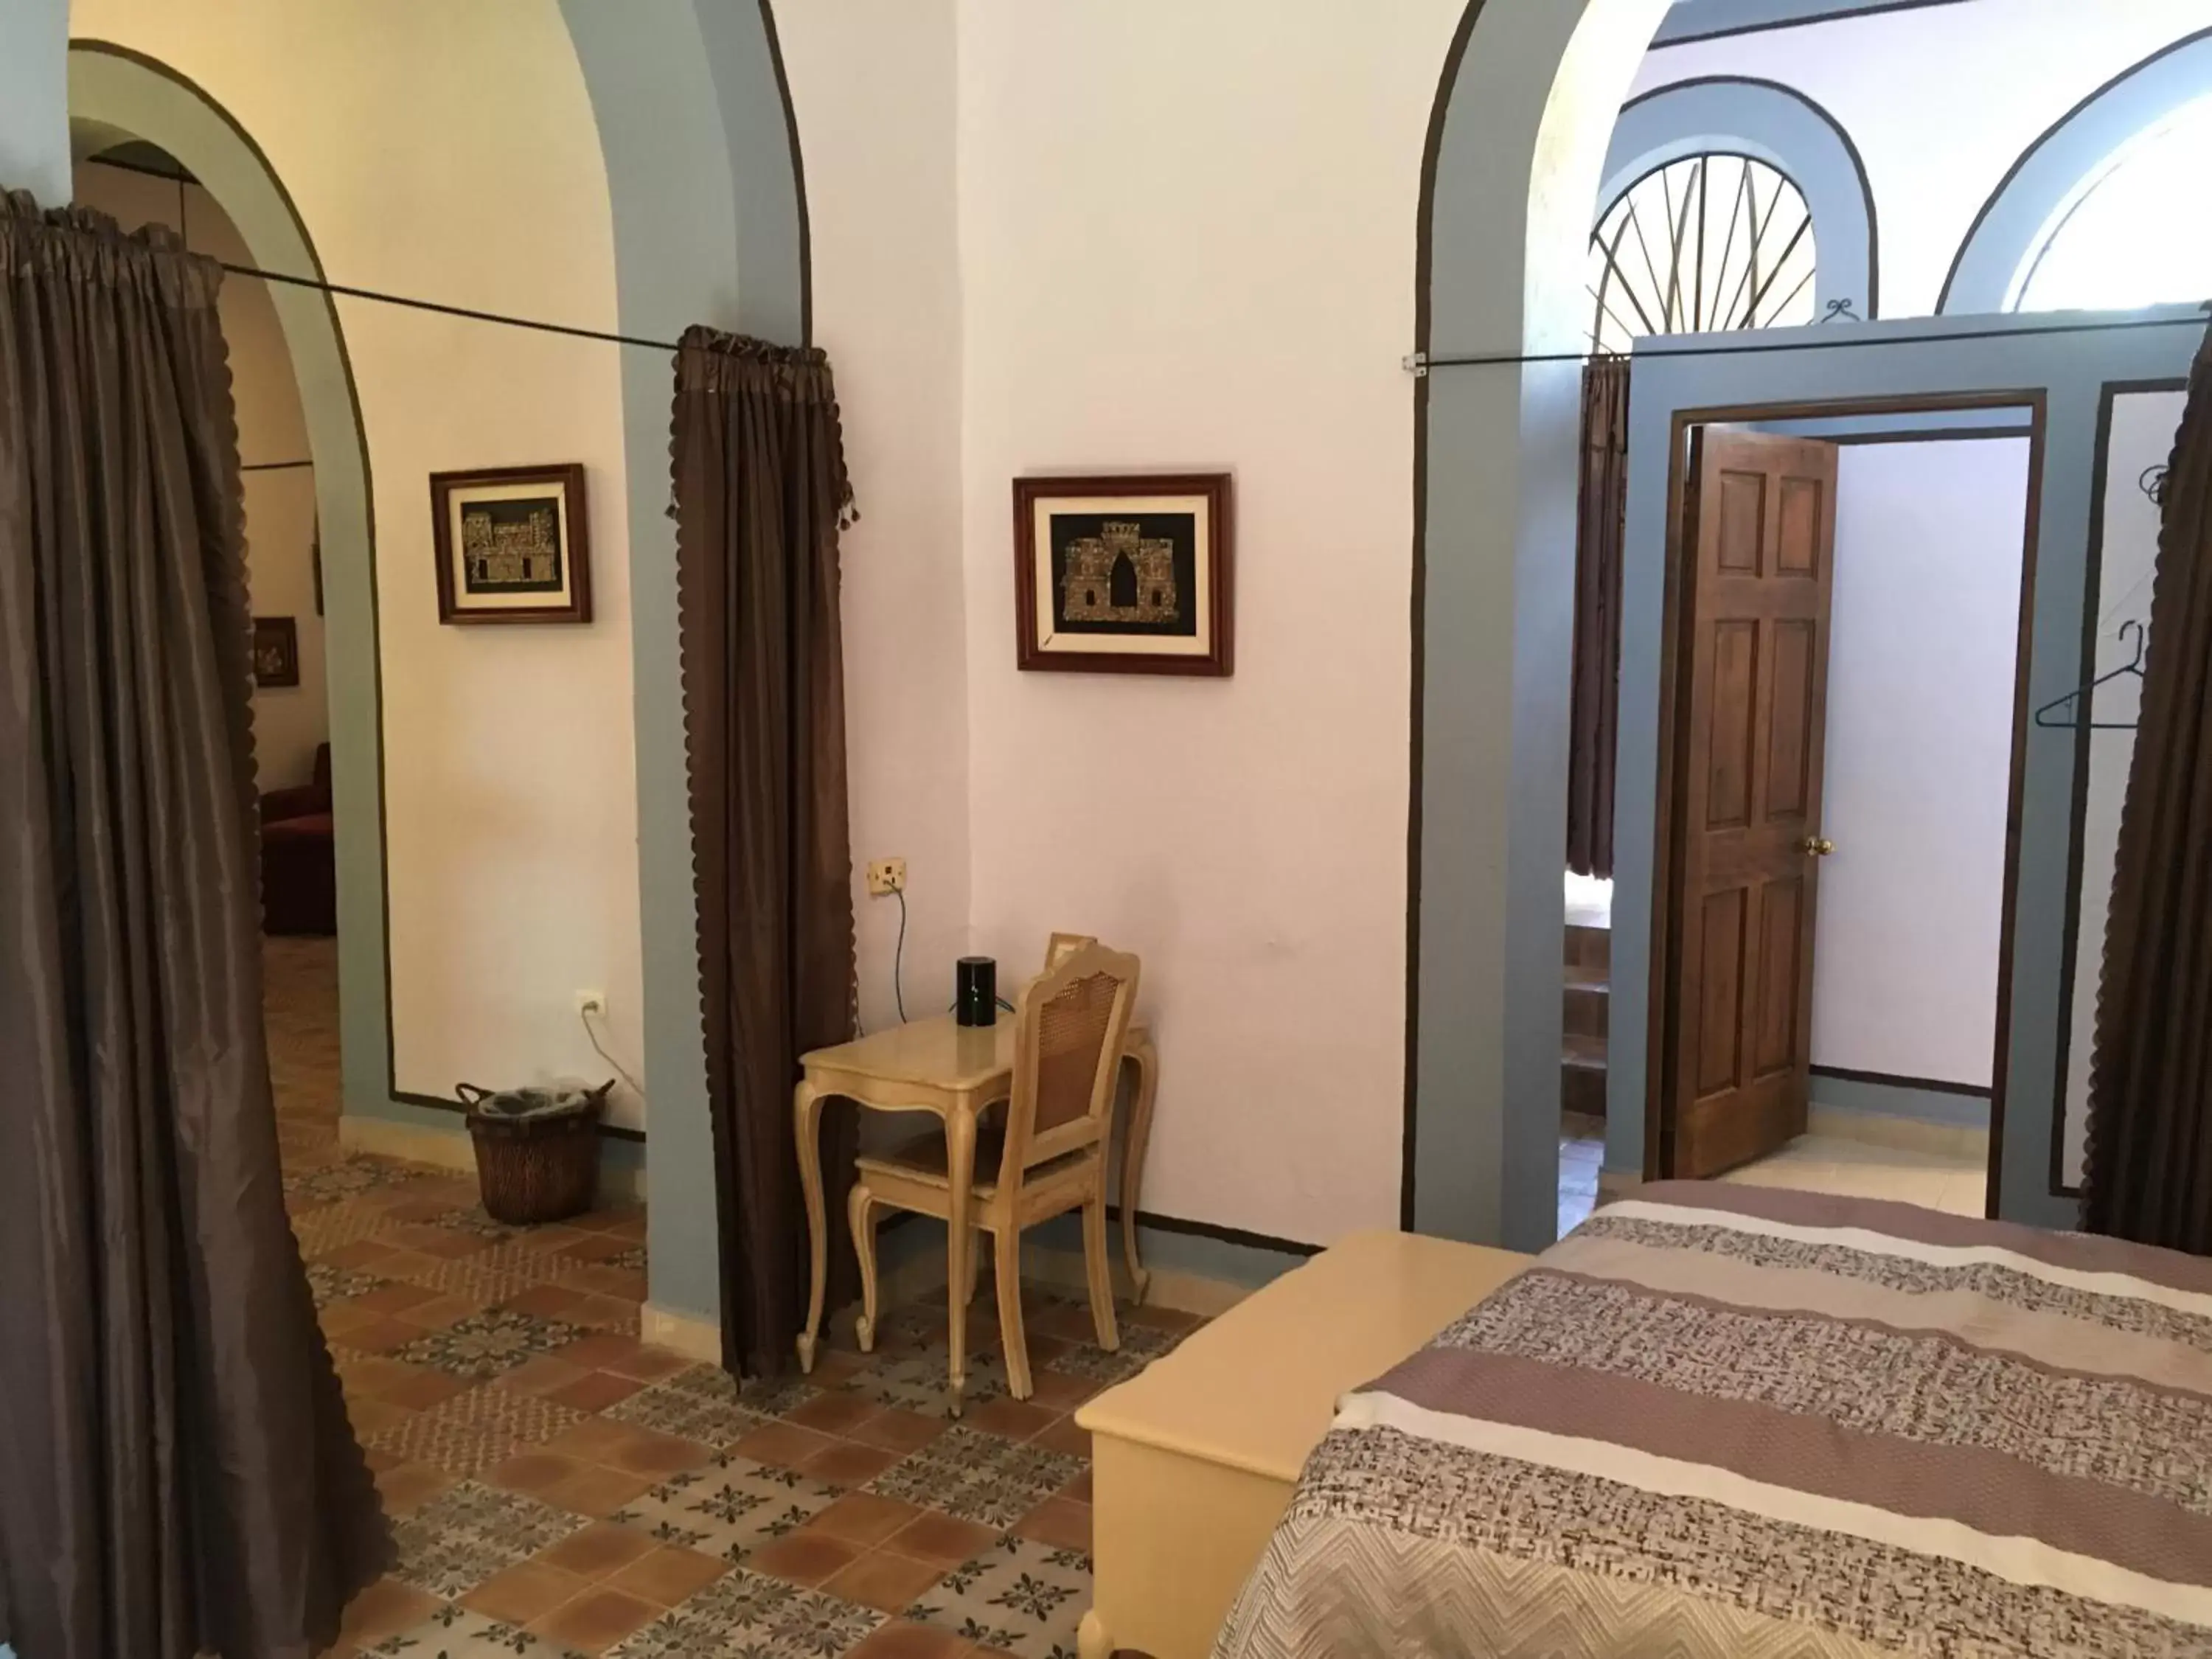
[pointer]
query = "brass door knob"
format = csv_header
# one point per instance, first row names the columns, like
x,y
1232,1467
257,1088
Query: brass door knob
x,y
1819,846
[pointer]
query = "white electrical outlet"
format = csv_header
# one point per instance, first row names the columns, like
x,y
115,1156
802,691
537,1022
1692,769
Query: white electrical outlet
x,y
886,876
592,1003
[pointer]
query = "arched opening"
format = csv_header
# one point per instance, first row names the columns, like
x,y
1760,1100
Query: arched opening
x,y
2120,245
1121,582
119,97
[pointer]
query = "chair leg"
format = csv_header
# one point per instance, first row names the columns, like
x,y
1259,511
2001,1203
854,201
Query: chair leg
x,y
1011,1336
1099,1271
975,1263
861,1209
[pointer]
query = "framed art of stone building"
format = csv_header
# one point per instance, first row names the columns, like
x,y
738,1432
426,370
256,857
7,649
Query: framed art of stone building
x,y
513,546
1123,575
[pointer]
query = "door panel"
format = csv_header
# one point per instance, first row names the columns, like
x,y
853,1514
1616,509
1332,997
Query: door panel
x,y
1759,536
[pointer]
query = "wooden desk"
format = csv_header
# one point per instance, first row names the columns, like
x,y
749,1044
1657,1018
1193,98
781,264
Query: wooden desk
x,y
954,1071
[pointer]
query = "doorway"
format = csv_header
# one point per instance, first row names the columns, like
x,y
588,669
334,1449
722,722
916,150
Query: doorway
x,y
1771,1015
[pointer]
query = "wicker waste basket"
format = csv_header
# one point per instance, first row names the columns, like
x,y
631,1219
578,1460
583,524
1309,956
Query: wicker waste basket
x,y
538,1150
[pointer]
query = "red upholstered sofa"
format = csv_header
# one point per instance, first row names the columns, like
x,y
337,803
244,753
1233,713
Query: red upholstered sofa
x,y
299,866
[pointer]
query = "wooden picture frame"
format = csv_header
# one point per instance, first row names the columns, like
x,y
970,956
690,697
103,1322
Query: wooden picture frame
x,y
1124,574
512,544
276,652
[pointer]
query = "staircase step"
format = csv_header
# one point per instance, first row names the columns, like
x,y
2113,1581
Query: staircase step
x,y
1581,1076
1585,1052
1588,1007
1589,949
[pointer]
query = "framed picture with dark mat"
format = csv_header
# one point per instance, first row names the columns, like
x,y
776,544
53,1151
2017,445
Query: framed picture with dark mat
x,y
1126,574
512,544
276,652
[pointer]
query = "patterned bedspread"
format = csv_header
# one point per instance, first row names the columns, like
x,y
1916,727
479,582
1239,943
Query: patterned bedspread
x,y
1722,1420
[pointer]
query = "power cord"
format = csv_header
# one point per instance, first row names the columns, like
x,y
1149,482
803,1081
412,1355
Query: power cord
x,y
621,1070
898,956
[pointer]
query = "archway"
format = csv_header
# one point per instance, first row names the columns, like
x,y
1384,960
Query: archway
x,y
114,90
1516,146
2051,175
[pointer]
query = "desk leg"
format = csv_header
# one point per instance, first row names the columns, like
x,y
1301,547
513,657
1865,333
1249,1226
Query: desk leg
x,y
806,1121
959,1240
1146,1059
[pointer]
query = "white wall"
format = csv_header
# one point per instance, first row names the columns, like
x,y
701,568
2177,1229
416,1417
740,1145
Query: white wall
x,y
873,82
1941,101
289,722
1187,239
2142,437
451,152
1918,755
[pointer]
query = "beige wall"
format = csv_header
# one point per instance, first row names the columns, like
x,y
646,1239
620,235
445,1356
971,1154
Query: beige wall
x,y
289,722
451,152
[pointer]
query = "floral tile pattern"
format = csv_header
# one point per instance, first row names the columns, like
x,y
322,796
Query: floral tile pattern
x,y
729,1508
759,1617
462,1537
454,1632
976,1476
483,1345
541,1446
1019,1596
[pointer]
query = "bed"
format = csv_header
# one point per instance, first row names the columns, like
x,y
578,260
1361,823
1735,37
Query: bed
x,y
1728,1420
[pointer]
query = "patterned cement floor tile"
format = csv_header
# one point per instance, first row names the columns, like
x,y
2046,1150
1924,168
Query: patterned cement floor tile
x,y
471,1432
347,1178
462,1537
1019,1596
760,1618
331,1284
322,1231
469,1276
703,1404
976,1476
484,1345
1140,1346
454,1632
919,1381
729,1508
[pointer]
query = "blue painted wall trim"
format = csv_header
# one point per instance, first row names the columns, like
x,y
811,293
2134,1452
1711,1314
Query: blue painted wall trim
x,y
1737,115
2068,372
2048,177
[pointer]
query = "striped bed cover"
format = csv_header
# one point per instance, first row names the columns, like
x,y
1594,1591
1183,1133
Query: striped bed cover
x,y
1726,1420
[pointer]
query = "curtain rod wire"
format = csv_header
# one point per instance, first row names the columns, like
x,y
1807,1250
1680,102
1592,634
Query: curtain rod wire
x,y
1418,363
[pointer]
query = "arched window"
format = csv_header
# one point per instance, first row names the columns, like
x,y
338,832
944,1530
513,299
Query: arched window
x,y
1705,242
2129,236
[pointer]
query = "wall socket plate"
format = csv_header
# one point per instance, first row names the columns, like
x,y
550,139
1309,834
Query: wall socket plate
x,y
886,876
592,1002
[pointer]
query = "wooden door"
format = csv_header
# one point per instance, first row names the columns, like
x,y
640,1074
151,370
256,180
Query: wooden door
x,y
1760,531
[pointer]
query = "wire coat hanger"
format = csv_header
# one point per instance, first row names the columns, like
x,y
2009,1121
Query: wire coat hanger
x,y
2050,715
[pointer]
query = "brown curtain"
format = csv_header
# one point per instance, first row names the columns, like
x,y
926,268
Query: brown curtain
x,y
761,495
2148,1176
1600,526
177,1475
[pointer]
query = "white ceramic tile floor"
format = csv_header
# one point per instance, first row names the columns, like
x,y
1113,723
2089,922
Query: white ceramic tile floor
x,y
1813,1163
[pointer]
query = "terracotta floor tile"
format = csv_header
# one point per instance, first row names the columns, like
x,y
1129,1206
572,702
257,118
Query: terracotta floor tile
x,y
361,1253
442,1310
668,1576
379,1335
1079,1489
861,1517
593,1440
835,1367
1017,1420
887,1583
1060,1391
375,1416
603,1350
1060,1522
595,1391
445,1243
598,1550
422,1388
646,1452
941,1538
341,1319
598,1491
410,1485
543,1374
899,1431
804,1557
833,1413
596,1621
1162,1319
384,1609
536,1473
646,1364
546,1301
396,1297
849,1464
782,1444
627,1284
594,1247
1063,1434
900,1640
524,1592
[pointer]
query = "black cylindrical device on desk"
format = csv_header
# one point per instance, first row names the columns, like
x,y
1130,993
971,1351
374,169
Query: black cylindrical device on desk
x,y
976,994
